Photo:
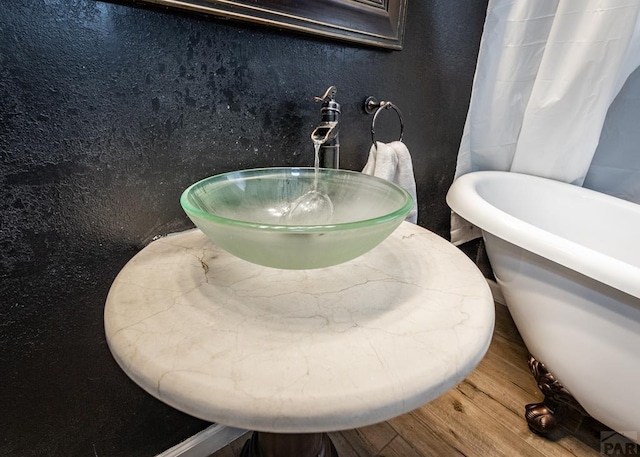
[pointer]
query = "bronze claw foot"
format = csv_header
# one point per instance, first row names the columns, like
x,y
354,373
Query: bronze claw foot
x,y
540,418
543,417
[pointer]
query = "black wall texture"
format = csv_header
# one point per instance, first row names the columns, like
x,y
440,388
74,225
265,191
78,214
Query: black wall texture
x,y
107,112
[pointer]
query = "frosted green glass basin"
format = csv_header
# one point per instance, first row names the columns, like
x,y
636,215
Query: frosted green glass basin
x,y
245,212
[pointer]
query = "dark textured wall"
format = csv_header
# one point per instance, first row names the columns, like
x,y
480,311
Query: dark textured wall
x,y
107,112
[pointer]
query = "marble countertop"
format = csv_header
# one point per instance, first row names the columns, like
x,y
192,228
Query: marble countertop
x,y
299,351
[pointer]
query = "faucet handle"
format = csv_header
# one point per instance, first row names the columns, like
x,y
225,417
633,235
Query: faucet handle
x,y
329,95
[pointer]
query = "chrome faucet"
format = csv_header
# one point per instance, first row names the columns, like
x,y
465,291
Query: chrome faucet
x,y
326,133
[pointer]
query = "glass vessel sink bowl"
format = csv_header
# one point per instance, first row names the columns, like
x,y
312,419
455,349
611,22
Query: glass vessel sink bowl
x,y
245,213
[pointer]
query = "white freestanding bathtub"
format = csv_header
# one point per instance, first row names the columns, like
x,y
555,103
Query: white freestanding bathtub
x,y
567,260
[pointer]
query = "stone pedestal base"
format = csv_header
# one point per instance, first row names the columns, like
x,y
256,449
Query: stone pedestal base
x,y
263,444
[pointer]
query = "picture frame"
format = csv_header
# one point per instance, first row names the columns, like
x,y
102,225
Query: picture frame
x,y
378,23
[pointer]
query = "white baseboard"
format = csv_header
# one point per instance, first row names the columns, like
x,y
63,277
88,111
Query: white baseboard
x,y
205,443
497,293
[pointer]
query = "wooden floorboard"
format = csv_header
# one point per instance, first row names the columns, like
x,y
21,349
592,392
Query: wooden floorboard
x,y
481,417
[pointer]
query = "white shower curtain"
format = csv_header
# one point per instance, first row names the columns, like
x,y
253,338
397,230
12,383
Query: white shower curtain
x,y
547,73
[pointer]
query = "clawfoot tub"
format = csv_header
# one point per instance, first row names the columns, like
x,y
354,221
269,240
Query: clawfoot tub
x,y
567,260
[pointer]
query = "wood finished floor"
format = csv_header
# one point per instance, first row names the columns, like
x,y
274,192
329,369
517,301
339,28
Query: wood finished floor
x,y
481,417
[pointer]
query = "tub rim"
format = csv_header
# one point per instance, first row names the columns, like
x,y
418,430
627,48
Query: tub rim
x,y
464,199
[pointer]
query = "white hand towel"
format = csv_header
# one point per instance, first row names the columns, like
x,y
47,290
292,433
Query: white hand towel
x,y
392,162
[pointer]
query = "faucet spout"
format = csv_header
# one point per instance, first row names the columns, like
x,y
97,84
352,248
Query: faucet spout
x,y
326,133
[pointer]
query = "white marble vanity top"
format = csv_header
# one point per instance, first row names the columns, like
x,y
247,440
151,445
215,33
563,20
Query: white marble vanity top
x,y
299,351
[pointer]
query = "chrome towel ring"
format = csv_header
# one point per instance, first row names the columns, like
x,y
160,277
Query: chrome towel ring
x,y
372,106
